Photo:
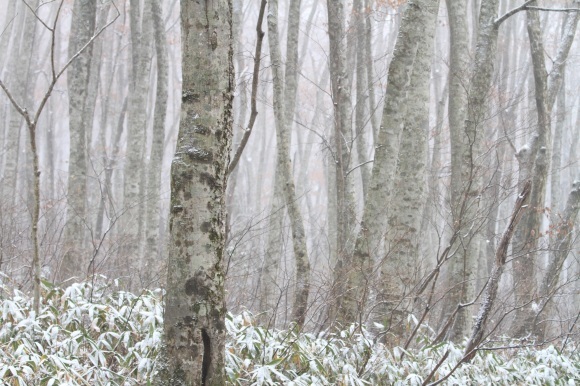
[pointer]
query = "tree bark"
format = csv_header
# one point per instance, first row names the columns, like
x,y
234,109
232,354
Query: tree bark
x,y
134,172
284,104
76,257
195,309
401,269
342,206
154,240
354,273
535,162
461,269
558,254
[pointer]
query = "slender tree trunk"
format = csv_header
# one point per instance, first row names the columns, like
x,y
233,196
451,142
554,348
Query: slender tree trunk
x,y
284,102
75,257
362,91
194,306
151,258
134,172
462,267
535,161
558,254
341,206
492,286
369,72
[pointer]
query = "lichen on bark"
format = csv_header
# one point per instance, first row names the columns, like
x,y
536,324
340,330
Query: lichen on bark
x,y
195,309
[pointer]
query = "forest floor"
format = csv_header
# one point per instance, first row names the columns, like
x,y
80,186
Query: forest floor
x,y
95,334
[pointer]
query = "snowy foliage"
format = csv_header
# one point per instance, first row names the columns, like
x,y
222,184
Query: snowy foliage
x,y
92,334
84,335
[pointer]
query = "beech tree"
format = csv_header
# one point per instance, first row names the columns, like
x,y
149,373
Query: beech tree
x,y
194,307
75,258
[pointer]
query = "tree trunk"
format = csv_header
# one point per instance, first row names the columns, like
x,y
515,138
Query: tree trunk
x,y
461,268
362,91
367,249
401,269
134,172
284,103
536,163
195,309
343,206
492,286
75,257
154,241
558,253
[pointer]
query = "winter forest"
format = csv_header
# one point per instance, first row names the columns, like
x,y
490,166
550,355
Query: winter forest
x,y
289,192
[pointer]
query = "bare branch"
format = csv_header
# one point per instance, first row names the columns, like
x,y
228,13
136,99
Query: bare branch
x,y
527,7
7,25
53,41
36,16
512,12
531,8
21,111
358,166
254,113
72,59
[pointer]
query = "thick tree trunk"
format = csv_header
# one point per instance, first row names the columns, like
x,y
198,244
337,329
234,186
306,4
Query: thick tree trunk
x,y
195,308
401,269
354,272
462,267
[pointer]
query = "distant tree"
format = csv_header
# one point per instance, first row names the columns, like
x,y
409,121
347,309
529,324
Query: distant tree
x,y
80,124
31,117
154,242
535,164
284,103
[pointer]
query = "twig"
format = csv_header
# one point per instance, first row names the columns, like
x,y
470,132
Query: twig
x,y
254,113
527,7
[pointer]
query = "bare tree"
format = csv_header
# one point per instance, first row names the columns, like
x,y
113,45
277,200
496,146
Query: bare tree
x,y
194,306
31,118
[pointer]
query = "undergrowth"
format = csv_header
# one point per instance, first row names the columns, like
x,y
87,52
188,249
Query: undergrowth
x,y
95,334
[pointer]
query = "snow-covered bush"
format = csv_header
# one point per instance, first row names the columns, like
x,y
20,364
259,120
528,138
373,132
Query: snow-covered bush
x,y
91,334
84,335
256,356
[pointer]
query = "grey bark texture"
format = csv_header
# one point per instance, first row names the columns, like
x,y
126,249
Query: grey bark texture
x,y
195,310
558,254
401,268
341,205
462,267
354,272
76,258
284,104
134,173
151,259
535,162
